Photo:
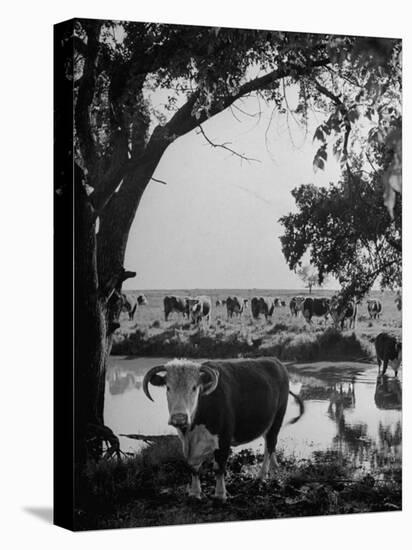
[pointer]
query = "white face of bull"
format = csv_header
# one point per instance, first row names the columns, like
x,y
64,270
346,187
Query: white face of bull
x,y
185,381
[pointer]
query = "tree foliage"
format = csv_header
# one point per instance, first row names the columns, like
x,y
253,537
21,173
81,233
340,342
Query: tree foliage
x,y
347,232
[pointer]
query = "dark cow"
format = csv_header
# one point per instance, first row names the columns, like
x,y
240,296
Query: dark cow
x,y
262,306
315,307
218,404
235,306
388,351
200,309
282,303
342,309
374,308
295,305
130,303
178,304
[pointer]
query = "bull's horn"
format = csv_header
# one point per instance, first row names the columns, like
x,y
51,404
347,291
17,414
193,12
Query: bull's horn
x,y
148,376
214,375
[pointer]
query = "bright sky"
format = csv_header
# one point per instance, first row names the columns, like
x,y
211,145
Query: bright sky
x,y
215,223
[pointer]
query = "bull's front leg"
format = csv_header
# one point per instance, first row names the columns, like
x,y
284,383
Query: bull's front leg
x,y
221,456
195,489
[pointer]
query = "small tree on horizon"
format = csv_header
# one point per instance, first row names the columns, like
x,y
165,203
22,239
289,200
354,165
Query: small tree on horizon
x,y
309,276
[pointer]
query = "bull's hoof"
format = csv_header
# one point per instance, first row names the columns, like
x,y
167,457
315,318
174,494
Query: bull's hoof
x,y
194,495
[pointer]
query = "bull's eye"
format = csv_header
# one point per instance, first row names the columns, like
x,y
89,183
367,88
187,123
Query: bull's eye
x,y
168,388
194,388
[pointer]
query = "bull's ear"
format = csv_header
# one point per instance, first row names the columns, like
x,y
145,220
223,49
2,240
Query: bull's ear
x,y
209,379
158,380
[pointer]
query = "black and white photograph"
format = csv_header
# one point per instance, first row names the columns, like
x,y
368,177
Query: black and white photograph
x,y
228,203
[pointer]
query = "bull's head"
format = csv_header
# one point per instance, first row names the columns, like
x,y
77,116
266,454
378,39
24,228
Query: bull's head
x,y
185,381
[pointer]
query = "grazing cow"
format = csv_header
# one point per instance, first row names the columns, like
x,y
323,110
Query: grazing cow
x,y
218,404
282,303
235,306
276,302
318,307
262,306
388,351
200,308
374,308
220,303
130,303
295,305
342,310
178,304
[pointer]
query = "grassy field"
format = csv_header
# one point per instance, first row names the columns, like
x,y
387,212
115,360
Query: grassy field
x,y
287,337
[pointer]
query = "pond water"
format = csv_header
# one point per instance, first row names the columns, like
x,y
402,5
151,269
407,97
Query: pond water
x,y
347,409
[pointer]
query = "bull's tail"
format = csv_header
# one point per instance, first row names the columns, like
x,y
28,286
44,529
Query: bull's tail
x,y
299,401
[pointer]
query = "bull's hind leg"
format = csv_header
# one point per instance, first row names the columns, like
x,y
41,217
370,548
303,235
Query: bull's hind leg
x,y
270,462
194,489
221,456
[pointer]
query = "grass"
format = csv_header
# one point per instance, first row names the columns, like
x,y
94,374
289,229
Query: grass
x,y
149,489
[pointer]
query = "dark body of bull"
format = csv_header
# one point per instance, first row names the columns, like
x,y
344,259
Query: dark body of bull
x,y
388,351
175,304
374,308
238,401
315,307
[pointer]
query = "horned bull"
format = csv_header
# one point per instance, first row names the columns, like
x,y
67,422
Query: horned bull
x,y
219,404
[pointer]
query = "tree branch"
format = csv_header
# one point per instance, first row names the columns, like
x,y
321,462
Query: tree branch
x,y
224,146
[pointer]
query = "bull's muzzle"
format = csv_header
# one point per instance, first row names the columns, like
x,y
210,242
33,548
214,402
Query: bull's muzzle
x,y
179,420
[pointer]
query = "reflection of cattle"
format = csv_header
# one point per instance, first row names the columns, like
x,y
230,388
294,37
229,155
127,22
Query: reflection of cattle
x,y
262,306
176,304
315,307
388,393
235,306
388,351
342,310
295,305
218,404
374,308
200,309
120,382
130,303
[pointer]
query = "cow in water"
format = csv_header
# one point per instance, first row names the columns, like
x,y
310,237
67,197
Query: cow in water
x,y
219,404
374,308
130,303
177,304
200,309
315,307
262,306
388,351
236,306
343,309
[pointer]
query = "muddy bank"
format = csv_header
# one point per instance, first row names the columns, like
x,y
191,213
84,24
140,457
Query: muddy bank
x,y
150,490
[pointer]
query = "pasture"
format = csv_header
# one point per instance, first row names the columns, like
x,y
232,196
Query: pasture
x,y
288,337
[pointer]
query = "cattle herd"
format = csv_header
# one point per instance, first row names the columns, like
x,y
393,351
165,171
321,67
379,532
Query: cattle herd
x,y
199,308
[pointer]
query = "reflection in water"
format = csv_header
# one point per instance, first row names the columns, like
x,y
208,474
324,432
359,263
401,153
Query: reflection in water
x,y
388,393
359,416
119,381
